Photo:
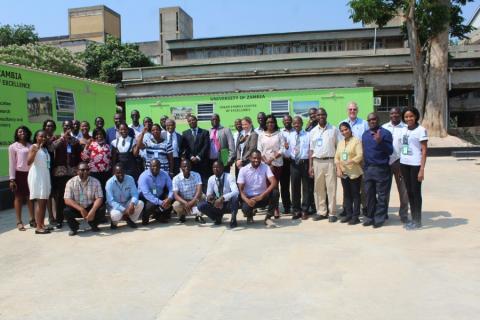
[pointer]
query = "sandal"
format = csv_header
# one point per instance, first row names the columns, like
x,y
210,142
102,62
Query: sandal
x,y
22,228
32,223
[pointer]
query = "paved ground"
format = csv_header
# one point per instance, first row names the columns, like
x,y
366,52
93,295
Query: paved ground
x,y
304,270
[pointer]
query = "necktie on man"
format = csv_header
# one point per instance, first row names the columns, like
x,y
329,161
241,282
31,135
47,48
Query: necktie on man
x,y
297,148
215,139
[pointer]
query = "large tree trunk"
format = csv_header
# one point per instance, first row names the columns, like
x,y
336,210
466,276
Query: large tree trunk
x,y
417,56
437,99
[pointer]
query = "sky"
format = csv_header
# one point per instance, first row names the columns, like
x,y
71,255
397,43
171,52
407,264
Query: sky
x,y
211,18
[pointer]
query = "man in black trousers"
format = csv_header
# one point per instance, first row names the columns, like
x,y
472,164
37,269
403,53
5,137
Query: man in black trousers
x,y
197,146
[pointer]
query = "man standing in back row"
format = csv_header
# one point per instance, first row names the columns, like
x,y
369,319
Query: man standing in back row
x,y
222,146
197,145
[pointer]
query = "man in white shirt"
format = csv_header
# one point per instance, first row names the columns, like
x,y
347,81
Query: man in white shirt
x,y
176,140
358,125
258,188
285,177
262,122
323,145
136,125
297,149
222,196
238,127
396,128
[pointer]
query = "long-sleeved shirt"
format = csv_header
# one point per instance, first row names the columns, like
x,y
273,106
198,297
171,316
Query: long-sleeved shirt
x,y
120,195
350,149
152,187
377,153
17,158
230,188
301,150
358,127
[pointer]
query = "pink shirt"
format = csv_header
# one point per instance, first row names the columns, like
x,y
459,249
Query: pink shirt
x,y
17,158
255,180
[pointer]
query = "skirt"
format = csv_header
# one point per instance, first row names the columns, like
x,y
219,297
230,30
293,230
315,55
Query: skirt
x,y
21,180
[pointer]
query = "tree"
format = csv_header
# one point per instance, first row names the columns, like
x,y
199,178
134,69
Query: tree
x,y
18,34
103,60
427,24
43,57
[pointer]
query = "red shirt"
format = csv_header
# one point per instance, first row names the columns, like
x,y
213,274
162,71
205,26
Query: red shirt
x,y
99,157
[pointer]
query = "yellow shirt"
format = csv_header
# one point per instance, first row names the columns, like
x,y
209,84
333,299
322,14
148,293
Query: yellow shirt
x,y
350,150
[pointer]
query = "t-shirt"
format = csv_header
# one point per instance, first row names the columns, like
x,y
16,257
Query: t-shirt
x,y
411,149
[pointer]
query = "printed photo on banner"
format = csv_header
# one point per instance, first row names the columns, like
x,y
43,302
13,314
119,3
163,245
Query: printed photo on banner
x,y
300,108
39,106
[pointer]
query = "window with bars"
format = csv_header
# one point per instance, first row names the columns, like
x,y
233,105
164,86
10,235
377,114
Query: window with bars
x,y
279,108
390,101
204,111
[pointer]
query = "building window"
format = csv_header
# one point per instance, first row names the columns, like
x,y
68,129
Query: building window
x,y
279,108
204,111
390,101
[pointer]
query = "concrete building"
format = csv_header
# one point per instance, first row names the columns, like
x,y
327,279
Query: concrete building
x,y
86,25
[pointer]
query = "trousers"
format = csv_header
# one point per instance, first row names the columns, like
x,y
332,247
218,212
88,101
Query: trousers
x,y
414,190
377,180
325,184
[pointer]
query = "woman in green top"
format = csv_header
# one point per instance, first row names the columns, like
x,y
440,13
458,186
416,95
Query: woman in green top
x,y
348,159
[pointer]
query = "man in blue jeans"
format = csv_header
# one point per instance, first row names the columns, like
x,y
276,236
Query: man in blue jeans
x,y
377,148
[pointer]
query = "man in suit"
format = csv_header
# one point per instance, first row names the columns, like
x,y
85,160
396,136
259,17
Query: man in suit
x,y
176,140
221,138
112,133
197,147
246,144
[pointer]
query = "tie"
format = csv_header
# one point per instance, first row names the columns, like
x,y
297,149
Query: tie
x,y
170,138
220,186
194,132
297,148
215,140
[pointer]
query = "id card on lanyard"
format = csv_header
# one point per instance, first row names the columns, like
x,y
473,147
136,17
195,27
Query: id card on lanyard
x,y
344,156
405,148
69,148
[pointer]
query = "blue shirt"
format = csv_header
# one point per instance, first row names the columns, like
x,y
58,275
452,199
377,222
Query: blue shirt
x,y
152,187
377,153
359,126
120,195
303,149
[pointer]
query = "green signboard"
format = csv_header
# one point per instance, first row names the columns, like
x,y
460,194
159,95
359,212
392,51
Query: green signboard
x,y
28,97
231,106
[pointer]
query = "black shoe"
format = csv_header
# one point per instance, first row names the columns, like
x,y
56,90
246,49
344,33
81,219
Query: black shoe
x,y
182,219
342,214
378,225
233,224
200,220
354,221
332,219
145,222
249,220
217,222
44,231
59,225
404,220
72,233
345,219
296,216
113,226
130,223
95,228
317,217
367,223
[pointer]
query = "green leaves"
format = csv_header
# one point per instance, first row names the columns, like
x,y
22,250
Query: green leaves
x,y
18,34
43,57
103,60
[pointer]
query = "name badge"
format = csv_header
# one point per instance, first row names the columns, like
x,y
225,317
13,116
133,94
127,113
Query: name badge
x,y
154,191
320,142
81,197
405,149
344,156
48,164
69,148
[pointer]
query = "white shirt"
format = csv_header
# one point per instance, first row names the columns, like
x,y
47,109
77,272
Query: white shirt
x,y
302,149
230,188
174,142
138,130
323,141
123,144
413,138
397,134
235,138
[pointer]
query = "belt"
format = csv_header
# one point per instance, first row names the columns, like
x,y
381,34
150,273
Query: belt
x,y
325,158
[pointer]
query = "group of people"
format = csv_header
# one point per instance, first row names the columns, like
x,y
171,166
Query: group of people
x,y
145,170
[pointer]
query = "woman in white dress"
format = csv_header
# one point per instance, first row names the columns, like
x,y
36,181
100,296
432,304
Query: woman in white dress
x,y
39,178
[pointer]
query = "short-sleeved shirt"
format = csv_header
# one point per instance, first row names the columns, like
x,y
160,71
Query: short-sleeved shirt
x,y
186,187
397,135
254,179
159,151
84,193
17,156
414,138
99,157
323,141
